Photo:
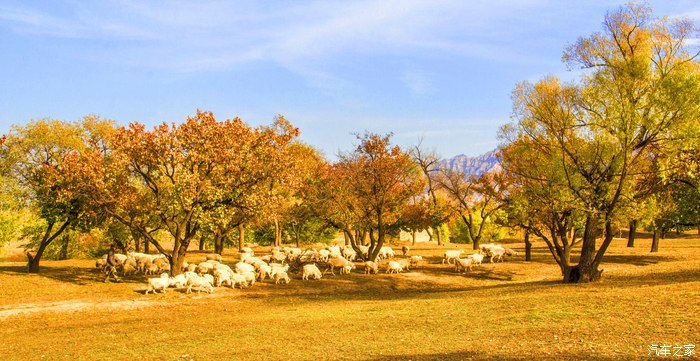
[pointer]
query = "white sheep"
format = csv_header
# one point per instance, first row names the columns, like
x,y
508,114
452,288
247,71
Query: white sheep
x,y
248,250
223,277
349,253
394,267
311,270
463,264
281,277
213,257
238,279
159,283
414,260
371,267
451,255
264,271
200,282
339,262
477,258
249,277
242,267
385,252
178,281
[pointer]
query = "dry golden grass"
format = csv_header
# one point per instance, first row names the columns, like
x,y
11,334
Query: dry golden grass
x,y
509,310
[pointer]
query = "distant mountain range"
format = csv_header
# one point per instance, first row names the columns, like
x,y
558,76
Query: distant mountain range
x,y
472,165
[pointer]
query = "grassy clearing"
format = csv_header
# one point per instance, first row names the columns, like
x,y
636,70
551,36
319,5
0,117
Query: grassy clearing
x,y
510,310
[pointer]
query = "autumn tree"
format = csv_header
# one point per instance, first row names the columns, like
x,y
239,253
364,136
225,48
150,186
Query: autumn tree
x,y
640,89
476,200
186,175
368,189
438,210
37,158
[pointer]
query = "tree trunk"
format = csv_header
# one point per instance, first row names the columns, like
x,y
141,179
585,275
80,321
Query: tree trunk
x,y
218,243
146,246
137,240
632,233
587,269
528,247
413,236
201,244
278,233
655,241
241,237
65,240
438,235
33,259
178,257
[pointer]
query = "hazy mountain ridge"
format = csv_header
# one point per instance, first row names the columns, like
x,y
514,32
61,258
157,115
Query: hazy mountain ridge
x,y
472,165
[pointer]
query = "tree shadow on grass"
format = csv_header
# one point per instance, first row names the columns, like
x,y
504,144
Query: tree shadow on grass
x,y
70,274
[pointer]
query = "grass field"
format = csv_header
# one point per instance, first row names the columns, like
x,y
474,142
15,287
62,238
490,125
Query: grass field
x,y
509,310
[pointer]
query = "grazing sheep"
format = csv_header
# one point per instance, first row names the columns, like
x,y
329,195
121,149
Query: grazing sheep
x,y
405,250
451,255
394,267
242,267
178,281
281,277
264,271
222,277
223,267
364,250
405,263
151,269
511,252
311,270
238,279
276,268
129,268
371,267
414,260
204,268
191,268
100,263
213,257
385,252
477,258
278,257
325,255
199,282
244,255
349,253
339,262
248,250
463,264
160,283
249,277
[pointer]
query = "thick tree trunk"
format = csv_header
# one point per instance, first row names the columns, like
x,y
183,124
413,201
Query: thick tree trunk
x,y
438,235
632,233
201,244
218,244
241,237
655,241
137,240
65,240
587,268
146,246
178,257
528,247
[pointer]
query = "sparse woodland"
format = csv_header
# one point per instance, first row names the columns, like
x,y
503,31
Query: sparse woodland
x,y
618,148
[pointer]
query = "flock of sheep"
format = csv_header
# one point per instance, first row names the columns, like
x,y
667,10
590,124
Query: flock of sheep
x,y
277,265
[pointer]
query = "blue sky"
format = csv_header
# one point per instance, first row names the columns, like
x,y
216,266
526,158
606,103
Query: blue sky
x,y
440,70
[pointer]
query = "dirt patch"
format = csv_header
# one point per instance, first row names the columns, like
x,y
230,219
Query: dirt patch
x,y
72,306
